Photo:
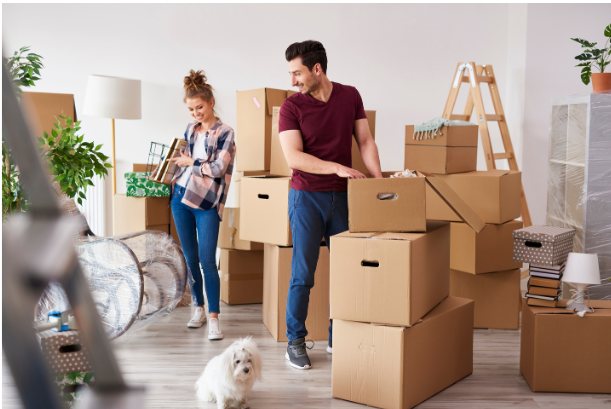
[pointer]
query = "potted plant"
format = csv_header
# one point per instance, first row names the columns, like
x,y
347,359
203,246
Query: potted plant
x,y
597,57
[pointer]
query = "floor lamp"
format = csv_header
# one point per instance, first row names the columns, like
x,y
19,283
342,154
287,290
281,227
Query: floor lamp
x,y
114,98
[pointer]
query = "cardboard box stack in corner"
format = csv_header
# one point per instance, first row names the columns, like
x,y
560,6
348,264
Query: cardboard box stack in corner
x,y
398,337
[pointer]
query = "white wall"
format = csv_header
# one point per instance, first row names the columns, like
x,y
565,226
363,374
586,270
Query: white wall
x,y
401,58
551,73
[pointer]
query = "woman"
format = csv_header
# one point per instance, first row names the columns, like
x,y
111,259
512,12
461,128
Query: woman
x,y
199,191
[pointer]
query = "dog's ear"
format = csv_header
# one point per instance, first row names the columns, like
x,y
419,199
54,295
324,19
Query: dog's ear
x,y
227,367
257,363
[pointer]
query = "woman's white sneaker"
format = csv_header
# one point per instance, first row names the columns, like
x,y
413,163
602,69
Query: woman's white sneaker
x,y
199,318
214,331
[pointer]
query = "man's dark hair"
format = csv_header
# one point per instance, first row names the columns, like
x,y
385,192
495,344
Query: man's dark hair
x,y
311,53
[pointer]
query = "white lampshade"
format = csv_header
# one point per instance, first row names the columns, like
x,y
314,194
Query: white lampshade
x,y
582,269
113,97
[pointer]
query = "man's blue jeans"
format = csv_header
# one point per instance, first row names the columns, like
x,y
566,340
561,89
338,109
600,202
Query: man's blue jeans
x,y
313,215
198,231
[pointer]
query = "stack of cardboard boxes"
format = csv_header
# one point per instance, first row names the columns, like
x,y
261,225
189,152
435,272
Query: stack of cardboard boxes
x,y
398,337
482,266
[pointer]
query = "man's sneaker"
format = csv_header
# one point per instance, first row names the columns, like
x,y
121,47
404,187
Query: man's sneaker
x,y
199,318
330,347
214,331
297,355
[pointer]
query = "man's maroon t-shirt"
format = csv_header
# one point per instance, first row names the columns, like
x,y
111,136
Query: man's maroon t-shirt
x,y
327,129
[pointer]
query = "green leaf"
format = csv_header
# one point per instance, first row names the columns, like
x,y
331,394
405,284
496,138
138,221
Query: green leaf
x,y
584,64
584,43
80,201
97,148
585,77
586,69
584,57
88,377
81,194
107,165
608,31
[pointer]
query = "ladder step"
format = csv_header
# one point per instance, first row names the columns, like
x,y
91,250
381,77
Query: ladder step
x,y
494,117
455,117
480,78
505,155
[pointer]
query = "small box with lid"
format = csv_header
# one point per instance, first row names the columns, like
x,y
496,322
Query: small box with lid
x,y
542,245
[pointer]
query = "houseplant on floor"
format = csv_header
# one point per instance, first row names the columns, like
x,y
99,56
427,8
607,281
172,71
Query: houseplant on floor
x,y
597,57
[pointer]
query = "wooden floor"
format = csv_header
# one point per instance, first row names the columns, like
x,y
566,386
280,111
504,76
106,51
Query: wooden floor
x,y
168,357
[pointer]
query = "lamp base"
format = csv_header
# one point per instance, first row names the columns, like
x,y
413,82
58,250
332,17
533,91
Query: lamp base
x,y
577,302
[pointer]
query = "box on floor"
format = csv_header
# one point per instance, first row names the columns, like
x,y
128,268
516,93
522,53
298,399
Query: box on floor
x,y
405,211
397,367
495,195
241,274
389,278
254,125
496,295
229,232
562,352
484,252
279,166
133,214
264,210
452,150
276,280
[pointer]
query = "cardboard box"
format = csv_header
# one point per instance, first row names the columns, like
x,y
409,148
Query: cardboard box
x,y
562,352
280,167
484,252
276,280
440,159
237,176
406,212
241,276
497,297
389,278
264,208
446,136
173,231
43,107
254,127
133,214
64,352
495,195
542,245
397,367
229,237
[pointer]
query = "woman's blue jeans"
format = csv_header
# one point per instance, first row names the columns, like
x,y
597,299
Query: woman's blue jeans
x,y
198,231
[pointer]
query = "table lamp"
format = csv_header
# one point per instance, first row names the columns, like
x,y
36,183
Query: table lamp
x,y
114,98
581,270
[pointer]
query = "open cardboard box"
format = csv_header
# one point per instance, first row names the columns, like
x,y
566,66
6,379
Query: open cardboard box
x,y
406,211
397,367
562,352
389,278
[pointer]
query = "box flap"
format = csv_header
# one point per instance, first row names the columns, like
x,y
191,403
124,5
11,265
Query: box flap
x,y
561,307
455,202
274,98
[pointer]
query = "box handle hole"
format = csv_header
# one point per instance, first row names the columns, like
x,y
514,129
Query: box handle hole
x,y
70,348
263,196
387,196
532,244
367,263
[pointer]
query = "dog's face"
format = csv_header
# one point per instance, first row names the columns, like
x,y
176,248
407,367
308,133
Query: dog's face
x,y
243,364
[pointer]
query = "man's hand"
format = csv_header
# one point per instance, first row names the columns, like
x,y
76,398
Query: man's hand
x,y
183,160
346,172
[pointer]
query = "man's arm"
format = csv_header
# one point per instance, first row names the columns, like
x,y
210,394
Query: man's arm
x,y
368,147
292,146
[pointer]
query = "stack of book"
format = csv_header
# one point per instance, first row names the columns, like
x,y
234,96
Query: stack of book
x,y
544,285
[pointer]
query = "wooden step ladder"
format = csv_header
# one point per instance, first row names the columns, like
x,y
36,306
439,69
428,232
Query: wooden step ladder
x,y
477,75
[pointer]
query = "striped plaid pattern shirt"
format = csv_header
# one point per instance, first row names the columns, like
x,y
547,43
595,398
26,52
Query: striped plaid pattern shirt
x,y
210,176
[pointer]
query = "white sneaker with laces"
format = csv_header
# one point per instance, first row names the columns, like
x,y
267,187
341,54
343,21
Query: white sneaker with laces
x,y
214,331
199,318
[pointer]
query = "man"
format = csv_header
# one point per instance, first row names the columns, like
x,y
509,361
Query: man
x,y
316,127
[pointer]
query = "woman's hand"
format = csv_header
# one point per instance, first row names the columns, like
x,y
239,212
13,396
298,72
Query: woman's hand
x,y
183,160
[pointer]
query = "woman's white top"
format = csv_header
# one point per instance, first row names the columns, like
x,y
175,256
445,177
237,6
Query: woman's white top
x,y
199,152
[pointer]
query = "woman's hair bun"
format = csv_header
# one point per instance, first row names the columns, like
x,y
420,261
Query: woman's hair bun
x,y
196,81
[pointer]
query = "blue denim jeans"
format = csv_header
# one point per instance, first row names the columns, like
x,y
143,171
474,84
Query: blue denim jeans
x,y
198,231
313,215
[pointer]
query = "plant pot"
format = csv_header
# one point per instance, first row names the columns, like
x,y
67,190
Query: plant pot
x,y
601,82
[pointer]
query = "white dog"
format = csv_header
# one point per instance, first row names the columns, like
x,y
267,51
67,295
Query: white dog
x,y
229,377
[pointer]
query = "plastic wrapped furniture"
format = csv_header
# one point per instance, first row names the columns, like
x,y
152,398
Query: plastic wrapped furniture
x,y
136,279
579,181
